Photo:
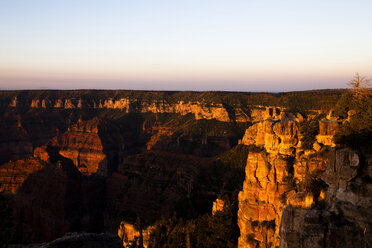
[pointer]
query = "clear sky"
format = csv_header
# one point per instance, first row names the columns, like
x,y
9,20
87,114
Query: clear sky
x,y
236,45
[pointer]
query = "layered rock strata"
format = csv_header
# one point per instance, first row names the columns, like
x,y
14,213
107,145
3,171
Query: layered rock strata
x,y
272,173
82,144
200,109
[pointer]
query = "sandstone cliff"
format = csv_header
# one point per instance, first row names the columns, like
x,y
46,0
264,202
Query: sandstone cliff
x,y
82,144
276,176
201,108
293,197
327,129
129,105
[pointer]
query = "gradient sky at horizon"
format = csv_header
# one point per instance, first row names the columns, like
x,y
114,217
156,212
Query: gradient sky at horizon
x,y
235,45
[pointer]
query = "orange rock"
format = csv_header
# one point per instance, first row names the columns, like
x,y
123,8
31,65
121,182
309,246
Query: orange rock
x,y
218,205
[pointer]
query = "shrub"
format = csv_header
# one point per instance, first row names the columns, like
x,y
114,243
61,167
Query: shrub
x,y
235,157
309,130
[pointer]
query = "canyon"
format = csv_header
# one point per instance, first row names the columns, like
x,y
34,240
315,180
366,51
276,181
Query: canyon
x,y
120,161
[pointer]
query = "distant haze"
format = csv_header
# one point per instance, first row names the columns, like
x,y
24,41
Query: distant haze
x,y
237,45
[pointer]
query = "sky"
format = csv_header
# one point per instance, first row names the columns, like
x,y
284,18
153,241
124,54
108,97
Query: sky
x,y
234,45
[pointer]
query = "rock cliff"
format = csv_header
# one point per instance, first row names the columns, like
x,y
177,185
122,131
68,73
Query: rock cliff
x,y
327,129
276,136
293,197
201,108
277,172
82,144
129,105
343,217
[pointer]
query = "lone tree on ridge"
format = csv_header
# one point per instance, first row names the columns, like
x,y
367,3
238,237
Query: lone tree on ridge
x,y
358,84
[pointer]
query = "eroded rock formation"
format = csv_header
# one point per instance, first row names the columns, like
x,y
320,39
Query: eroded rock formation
x,y
81,143
272,175
276,136
327,129
343,217
303,198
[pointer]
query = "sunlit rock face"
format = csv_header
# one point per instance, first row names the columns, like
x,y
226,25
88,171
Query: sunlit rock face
x,y
218,205
82,144
327,129
98,145
134,236
343,219
13,174
270,176
261,201
276,136
199,108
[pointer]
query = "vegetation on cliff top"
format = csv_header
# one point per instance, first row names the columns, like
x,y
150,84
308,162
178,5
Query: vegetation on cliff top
x,y
309,129
356,105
